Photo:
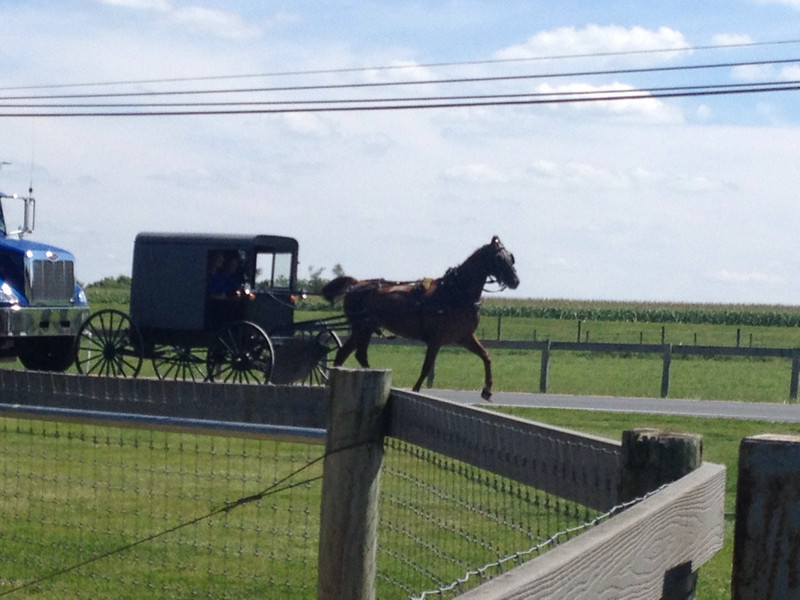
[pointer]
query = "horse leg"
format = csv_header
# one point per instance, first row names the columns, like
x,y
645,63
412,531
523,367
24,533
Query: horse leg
x,y
361,351
345,351
427,366
357,341
474,346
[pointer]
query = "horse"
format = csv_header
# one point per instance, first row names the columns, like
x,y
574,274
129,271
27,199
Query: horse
x,y
435,311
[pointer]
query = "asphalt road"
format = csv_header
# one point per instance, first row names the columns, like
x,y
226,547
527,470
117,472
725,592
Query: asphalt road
x,y
755,411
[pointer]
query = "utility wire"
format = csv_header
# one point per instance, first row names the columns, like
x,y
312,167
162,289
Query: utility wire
x,y
460,80
396,67
611,97
554,95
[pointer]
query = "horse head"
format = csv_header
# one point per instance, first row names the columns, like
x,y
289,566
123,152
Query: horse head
x,y
502,264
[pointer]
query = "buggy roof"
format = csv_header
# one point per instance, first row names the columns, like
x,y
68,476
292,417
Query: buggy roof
x,y
275,243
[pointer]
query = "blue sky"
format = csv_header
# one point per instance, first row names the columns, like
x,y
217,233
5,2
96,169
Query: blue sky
x,y
689,199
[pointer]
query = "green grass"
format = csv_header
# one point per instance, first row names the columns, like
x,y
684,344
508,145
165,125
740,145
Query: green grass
x,y
74,493
748,379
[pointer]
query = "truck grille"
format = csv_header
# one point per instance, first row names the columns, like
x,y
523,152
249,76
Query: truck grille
x,y
52,281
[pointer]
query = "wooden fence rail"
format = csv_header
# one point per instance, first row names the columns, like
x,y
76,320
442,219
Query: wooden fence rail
x,y
667,351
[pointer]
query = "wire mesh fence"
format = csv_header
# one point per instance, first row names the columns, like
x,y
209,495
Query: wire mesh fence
x,y
446,526
134,507
103,512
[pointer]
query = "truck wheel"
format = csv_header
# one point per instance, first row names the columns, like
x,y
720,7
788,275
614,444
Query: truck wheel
x,y
48,354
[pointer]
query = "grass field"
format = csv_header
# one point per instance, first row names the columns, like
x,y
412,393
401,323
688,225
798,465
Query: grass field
x,y
758,380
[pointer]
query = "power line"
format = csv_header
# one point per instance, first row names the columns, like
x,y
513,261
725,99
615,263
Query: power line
x,y
440,104
730,88
431,65
450,81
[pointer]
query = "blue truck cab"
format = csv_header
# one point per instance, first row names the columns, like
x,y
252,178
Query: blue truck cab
x,y
41,305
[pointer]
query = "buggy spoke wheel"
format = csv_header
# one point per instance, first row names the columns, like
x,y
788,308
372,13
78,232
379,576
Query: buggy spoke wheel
x,y
179,363
242,353
324,345
108,345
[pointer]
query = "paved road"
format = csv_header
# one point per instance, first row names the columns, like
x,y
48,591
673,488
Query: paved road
x,y
757,411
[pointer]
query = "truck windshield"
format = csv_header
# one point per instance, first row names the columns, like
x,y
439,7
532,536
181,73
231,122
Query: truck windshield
x,y
16,211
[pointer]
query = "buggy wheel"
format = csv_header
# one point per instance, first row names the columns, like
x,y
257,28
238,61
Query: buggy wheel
x,y
108,344
180,363
242,353
325,345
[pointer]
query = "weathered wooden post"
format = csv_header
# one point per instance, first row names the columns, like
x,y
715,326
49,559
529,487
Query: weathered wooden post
x,y
766,551
667,363
650,459
544,372
350,483
795,374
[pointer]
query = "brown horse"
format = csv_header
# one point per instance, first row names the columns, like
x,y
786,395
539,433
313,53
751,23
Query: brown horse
x,y
435,311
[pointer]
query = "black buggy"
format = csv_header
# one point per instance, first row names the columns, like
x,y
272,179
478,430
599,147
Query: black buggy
x,y
210,308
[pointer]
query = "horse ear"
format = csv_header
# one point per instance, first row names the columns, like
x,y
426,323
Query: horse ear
x,y
496,241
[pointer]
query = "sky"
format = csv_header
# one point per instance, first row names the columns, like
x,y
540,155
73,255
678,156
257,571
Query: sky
x,y
643,190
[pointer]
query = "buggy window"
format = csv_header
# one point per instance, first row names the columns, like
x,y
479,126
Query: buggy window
x,y
225,273
273,270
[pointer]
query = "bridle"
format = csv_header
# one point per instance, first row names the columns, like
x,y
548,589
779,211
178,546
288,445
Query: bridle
x,y
494,279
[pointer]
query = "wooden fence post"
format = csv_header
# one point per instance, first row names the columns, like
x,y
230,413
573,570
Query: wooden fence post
x,y
650,459
766,551
795,374
356,426
667,357
544,372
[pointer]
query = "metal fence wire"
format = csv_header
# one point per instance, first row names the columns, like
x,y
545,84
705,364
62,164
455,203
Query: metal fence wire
x,y
446,526
104,512
133,507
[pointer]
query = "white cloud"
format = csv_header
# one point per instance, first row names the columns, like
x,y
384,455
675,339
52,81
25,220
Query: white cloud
x,y
160,5
753,72
790,3
398,71
476,174
597,39
642,107
703,112
790,73
198,19
731,39
215,22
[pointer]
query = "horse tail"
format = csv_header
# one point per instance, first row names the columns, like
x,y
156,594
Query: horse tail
x,y
336,288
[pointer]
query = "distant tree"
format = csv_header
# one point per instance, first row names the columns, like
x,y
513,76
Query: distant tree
x,y
315,281
123,281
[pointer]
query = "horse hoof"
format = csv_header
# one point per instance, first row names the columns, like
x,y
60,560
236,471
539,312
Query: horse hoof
x,y
486,395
